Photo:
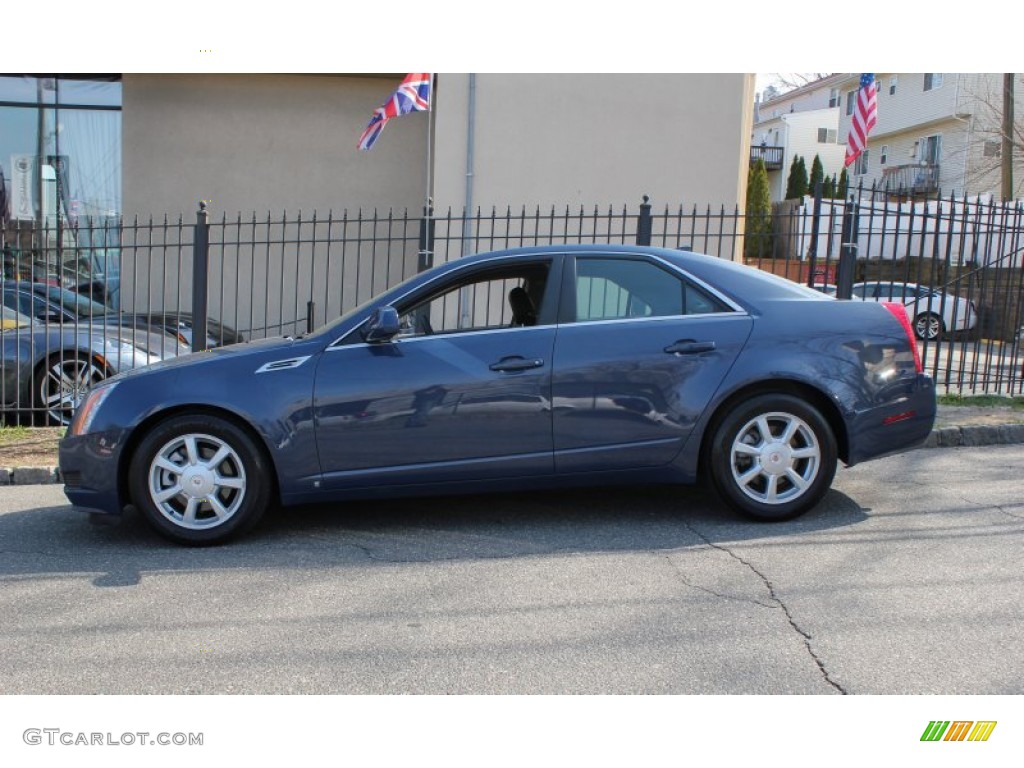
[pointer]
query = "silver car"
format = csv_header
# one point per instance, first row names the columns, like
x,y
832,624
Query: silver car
x,y
47,369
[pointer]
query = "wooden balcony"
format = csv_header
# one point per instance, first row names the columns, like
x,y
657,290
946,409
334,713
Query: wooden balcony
x,y
920,179
772,157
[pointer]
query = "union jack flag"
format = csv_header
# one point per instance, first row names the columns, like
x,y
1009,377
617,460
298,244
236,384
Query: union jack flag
x,y
864,117
413,95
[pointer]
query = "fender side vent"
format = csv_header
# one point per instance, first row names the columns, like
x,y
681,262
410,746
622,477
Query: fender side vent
x,y
282,365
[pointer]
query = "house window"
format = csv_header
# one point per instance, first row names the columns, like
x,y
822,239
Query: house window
x,y
883,154
851,101
860,165
892,85
833,97
826,136
993,148
932,80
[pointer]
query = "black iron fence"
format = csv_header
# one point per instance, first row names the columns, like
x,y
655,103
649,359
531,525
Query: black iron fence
x,y
110,295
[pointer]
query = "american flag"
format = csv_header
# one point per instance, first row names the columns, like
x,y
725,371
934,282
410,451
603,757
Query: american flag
x,y
864,117
413,95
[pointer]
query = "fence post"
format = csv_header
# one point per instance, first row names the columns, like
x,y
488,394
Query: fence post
x,y
643,223
200,277
848,252
426,252
812,252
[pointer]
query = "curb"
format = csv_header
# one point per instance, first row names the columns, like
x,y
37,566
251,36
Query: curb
x,y
944,437
30,476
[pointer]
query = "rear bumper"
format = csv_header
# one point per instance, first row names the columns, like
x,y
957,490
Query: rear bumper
x,y
902,423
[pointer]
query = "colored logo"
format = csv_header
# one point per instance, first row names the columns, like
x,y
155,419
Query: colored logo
x,y
958,730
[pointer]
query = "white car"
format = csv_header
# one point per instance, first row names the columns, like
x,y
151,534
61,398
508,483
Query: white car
x,y
931,312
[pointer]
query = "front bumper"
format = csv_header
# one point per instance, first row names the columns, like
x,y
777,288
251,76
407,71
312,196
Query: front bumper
x,y
89,466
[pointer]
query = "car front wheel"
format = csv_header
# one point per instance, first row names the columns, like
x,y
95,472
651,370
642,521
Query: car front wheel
x,y
200,480
773,457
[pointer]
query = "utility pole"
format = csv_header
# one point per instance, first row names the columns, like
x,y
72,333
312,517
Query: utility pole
x,y
1007,145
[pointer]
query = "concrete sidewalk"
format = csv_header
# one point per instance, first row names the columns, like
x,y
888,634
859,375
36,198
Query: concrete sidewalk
x,y
955,425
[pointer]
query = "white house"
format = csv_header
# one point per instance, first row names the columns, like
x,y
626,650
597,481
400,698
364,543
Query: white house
x,y
804,122
936,132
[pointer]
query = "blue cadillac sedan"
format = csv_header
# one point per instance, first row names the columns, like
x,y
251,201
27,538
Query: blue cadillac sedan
x,y
536,367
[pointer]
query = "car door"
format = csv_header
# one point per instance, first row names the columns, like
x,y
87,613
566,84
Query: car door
x,y
640,351
463,393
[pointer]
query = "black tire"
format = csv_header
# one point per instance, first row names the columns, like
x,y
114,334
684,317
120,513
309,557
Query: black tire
x,y
60,384
223,488
928,325
772,478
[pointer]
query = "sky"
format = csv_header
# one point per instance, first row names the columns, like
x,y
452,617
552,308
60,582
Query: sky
x,y
537,36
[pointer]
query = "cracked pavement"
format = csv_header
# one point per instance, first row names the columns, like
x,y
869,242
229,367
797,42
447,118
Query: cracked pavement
x,y
906,579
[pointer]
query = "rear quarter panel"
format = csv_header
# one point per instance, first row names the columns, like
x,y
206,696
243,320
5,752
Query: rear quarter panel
x,y
855,354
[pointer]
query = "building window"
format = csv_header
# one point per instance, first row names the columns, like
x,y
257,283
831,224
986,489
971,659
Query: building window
x,y
860,165
851,101
932,80
993,148
826,136
60,168
892,85
833,97
883,154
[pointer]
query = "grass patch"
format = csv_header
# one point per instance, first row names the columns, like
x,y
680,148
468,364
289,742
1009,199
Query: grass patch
x,y
14,434
984,401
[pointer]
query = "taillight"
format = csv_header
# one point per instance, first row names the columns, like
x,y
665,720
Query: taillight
x,y
900,313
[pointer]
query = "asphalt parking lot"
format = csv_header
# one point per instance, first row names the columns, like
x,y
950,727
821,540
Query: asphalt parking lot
x,y
906,579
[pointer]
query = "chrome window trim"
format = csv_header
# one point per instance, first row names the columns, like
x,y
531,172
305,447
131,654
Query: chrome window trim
x,y
441,335
658,318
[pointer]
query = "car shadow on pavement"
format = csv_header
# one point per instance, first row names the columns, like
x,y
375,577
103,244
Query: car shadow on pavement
x,y
61,540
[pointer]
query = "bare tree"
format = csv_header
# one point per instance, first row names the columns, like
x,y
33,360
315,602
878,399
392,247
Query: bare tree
x,y
996,135
789,81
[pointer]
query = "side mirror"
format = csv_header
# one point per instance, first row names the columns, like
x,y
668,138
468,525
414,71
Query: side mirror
x,y
382,325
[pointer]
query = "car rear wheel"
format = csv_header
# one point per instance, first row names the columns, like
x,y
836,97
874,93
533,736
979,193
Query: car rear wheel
x,y
61,383
200,480
773,457
928,325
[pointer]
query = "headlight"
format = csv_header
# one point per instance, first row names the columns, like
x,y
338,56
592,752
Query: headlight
x,y
90,406
123,354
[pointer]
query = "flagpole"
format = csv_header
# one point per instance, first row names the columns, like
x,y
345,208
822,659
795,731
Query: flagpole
x,y
430,141
426,251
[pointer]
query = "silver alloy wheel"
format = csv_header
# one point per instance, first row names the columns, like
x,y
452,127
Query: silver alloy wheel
x,y
928,326
197,481
775,458
64,384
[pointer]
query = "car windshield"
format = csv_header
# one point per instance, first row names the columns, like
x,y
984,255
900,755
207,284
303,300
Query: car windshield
x,y
80,305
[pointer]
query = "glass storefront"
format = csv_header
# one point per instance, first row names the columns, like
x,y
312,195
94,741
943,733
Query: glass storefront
x,y
60,176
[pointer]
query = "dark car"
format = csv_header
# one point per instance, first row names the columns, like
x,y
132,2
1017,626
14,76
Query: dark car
x,y
107,291
530,368
55,305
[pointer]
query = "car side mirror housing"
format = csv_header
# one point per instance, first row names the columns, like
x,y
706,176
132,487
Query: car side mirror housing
x,y
382,326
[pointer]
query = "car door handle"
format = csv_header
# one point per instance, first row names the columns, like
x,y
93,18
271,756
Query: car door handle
x,y
690,347
513,364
